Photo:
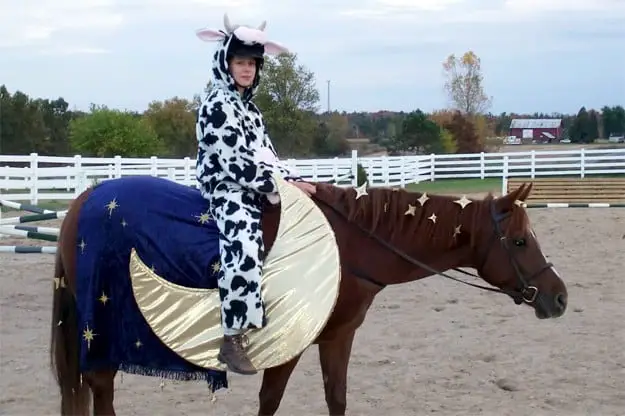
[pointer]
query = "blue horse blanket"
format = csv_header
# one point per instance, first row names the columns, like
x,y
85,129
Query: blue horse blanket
x,y
169,226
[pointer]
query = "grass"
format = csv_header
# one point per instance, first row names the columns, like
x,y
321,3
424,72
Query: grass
x,y
456,186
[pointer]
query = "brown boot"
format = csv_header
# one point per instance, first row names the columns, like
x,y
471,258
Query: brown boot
x,y
232,353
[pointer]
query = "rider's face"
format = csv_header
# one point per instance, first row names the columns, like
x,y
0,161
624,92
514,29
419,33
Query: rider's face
x,y
243,70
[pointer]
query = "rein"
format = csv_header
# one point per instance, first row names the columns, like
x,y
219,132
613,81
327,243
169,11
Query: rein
x,y
525,293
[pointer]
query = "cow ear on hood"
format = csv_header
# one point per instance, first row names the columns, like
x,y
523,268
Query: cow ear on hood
x,y
210,35
274,48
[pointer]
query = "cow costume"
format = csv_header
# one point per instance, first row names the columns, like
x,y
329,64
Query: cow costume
x,y
235,161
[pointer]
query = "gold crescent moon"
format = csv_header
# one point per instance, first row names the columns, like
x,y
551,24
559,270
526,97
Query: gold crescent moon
x,y
300,285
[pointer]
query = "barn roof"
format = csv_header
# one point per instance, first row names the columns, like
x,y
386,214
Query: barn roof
x,y
535,123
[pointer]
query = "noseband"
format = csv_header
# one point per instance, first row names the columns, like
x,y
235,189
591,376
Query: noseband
x,y
524,292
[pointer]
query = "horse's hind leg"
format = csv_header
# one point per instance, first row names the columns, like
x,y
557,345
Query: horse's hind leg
x,y
102,384
274,383
334,357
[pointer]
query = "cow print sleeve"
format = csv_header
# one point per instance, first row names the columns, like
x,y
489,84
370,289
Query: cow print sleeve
x,y
222,144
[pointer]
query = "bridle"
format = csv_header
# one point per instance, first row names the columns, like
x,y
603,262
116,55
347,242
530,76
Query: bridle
x,y
525,292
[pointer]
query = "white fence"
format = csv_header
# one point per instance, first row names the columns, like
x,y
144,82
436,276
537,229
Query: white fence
x,y
61,178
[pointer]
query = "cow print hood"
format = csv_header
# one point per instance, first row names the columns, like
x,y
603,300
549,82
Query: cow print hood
x,y
240,40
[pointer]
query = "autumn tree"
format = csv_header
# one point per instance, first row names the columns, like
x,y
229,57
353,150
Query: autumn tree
x,y
464,83
173,121
464,132
106,133
288,98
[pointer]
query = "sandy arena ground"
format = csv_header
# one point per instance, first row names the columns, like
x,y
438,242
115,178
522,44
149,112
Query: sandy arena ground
x,y
429,347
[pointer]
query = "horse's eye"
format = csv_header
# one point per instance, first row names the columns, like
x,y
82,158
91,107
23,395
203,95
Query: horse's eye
x,y
519,242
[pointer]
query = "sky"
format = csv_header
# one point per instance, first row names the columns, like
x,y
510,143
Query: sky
x,y
537,55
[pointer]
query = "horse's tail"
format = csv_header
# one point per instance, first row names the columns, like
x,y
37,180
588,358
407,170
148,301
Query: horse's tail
x,y
64,341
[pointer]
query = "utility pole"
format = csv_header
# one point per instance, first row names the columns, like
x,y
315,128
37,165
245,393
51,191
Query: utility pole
x,y
328,81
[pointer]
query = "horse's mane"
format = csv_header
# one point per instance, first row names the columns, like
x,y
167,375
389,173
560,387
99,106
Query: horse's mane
x,y
384,210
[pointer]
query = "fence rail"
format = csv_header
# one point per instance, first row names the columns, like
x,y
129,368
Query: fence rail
x,y
33,178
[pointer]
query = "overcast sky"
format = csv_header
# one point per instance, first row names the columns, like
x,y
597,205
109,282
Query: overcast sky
x,y
537,55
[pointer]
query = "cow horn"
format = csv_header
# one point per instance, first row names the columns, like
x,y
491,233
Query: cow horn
x,y
227,24
262,25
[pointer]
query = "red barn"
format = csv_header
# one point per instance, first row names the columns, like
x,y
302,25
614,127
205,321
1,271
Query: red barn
x,y
546,130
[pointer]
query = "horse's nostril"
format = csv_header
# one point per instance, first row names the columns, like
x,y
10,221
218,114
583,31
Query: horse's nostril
x,y
560,301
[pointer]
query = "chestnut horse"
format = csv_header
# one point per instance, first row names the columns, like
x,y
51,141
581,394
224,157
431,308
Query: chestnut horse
x,y
385,237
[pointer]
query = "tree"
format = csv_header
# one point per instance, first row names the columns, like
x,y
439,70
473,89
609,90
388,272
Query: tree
x,y
288,98
107,133
465,134
22,127
581,128
613,120
464,83
418,134
173,121
447,142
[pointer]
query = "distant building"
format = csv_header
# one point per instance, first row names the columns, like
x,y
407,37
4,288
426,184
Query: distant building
x,y
545,130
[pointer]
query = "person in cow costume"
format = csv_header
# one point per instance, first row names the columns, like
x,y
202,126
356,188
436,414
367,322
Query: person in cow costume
x,y
235,163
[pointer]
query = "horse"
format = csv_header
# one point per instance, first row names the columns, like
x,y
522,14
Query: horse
x,y
385,236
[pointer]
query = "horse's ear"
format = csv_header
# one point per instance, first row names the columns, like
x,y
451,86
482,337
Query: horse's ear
x,y
526,192
506,202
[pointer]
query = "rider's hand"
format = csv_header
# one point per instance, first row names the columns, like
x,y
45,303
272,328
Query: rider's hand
x,y
309,189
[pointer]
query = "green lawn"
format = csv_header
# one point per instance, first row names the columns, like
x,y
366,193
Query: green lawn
x,y
457,186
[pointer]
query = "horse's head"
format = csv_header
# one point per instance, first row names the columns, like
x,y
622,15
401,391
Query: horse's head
x,y
509,256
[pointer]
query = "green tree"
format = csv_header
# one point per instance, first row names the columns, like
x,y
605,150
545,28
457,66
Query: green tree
x,y
417,134
464,83
613,120
173,121
581,128
447,142
107,133
288,98
22,126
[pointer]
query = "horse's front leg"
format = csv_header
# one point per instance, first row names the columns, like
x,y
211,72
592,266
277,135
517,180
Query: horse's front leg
x,y
334,357
274,384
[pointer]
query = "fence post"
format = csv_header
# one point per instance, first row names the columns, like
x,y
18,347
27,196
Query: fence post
x,y
355,168
33,179
118,166
77,170
482,166
582,162
533,164
504,176
187,171
153,166
432,167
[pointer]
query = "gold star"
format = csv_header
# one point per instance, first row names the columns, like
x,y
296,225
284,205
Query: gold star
x,y
111,206
423,198
411,210
362,190
88,335
138,344
82,245
59,282
457,230
103,298
519,203
463,202
216,267
204,217
124,223
432,218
